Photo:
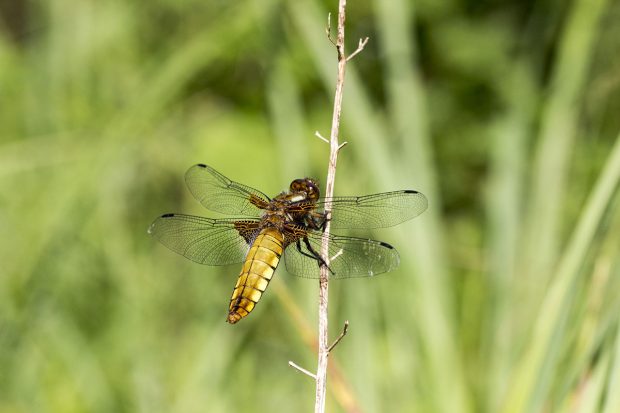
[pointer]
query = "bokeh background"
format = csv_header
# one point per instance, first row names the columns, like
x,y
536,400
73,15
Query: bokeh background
x,y
504,113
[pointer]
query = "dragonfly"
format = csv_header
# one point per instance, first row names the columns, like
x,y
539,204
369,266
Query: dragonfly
x,y
288,227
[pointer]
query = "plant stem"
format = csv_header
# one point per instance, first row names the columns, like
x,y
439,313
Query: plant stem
x,y
321,372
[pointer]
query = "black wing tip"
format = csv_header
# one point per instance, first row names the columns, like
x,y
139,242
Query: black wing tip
x,y
194,167
152,228
386,245
421,196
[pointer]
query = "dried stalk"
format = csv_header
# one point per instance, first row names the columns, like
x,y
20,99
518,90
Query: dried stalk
x,y
324,347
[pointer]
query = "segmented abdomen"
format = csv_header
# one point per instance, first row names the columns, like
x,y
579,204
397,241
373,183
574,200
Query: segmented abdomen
x,y
258,268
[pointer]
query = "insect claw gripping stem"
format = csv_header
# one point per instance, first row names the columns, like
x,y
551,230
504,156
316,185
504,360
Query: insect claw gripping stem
x,y
315,255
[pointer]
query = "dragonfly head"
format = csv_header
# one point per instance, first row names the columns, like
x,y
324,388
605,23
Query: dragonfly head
x,y
305,189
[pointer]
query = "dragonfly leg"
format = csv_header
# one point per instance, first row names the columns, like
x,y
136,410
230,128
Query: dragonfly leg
x,y
298,245
314,255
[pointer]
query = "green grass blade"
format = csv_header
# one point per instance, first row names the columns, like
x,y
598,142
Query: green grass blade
x,y
557,138
612,402
535,372
407,113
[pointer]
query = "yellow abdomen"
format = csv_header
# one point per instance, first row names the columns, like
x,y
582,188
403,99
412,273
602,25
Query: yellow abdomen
x,y
258,268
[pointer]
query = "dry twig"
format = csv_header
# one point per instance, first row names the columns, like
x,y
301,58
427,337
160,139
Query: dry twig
x,y
324,347
340,337
318,135
301,369
360,47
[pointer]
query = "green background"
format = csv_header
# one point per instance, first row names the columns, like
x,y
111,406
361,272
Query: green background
x,y
505,114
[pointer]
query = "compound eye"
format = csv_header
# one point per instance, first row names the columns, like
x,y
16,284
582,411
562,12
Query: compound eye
x,y
296,185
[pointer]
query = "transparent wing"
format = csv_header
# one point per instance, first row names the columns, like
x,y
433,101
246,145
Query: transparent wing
x,y
218,193
204,240
376,210
349,257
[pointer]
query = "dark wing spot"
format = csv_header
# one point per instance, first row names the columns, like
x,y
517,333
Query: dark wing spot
x,y
167,215
202,165
385,244
411,191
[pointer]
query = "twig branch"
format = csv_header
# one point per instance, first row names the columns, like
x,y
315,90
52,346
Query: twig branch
x,y
318,135
336,255
301,369
360,47
340,337
328,29
324,347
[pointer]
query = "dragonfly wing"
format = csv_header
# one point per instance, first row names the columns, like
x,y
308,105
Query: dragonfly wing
x,y
376,210
205,240
349,257
218,193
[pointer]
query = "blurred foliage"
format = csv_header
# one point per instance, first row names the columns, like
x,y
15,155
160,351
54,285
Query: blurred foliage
x,y
504,113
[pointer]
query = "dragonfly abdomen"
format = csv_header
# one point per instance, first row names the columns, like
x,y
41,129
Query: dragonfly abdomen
x,y
258,268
